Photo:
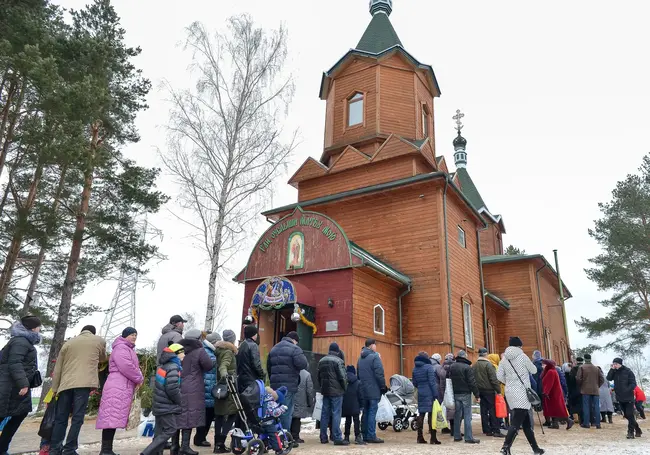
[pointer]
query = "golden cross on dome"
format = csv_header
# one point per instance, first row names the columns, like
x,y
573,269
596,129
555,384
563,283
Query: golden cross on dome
x,y
458,117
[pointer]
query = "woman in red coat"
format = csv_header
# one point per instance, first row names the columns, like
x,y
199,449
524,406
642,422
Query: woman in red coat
x,y
552,396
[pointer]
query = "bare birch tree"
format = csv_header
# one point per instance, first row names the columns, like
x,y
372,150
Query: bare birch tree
x,y
225,142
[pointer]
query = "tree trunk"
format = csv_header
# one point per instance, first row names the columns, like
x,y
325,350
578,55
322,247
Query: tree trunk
x,y
4,117
75,253
5,196
17,239
41,254
212,283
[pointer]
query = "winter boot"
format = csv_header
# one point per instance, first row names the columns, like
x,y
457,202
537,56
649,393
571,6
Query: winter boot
x,y
630,435
603,415
555,425
451,427
219,444
638,432
107,447
420,422
175,447
505,450
185,443
358,440
538,451
609,417
434,439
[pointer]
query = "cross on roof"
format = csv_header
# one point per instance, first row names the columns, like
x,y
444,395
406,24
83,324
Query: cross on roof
x,y
458,117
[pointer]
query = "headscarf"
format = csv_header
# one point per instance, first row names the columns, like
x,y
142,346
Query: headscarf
x,y
566,367
494,359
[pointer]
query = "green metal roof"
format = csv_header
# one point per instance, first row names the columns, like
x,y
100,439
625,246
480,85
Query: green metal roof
x,y
523,257
498,300
379,265
379,35
469,189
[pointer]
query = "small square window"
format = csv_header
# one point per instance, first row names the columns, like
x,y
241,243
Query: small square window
x,y
467,319
379,319
461,237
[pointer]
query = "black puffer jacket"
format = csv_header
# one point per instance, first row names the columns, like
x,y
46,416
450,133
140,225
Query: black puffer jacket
x,y
167,393
462,377
371,374
284,364
17,369
332,376
249,365
624,383
353,399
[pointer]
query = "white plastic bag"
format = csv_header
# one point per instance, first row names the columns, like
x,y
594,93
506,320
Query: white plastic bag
x,y
385,411
318,407
147,426
449,401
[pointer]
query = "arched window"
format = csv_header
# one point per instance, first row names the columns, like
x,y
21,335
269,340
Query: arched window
x,y
467,323
378,313
355,109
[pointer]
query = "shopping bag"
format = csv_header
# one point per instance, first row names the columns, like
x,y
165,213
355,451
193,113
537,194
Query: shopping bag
x,y
318,407
385,411
147,426
134,415
47,424
449,395
500,407
439,421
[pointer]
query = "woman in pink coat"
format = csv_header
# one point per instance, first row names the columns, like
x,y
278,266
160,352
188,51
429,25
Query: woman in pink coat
x,y
117,395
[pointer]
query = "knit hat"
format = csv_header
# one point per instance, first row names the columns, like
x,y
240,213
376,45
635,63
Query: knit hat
x,y
462,354
482,352
537,355
281,392
89,328
193,334
294,336
351,369
587,357
334,348
437,357
229,336
176,348
515,341
250,331
128,331
30,322
213,337
618,360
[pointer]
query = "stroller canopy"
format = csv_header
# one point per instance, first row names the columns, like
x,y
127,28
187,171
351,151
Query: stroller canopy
x,y
401,385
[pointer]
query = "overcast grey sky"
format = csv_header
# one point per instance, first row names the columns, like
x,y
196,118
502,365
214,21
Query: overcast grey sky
x,y
555,94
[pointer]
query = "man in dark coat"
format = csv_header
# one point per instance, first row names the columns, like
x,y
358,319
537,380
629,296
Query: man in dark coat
x,y
195,363
249,365
18,367
488,388
284,364
373,384
167,400
575,397
464,383
171,333
332,378
352,403
624,385
589,379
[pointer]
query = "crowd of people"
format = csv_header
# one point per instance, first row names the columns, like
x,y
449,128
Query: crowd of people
x,y
191,364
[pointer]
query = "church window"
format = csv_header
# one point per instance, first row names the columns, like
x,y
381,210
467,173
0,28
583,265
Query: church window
x,y
461,237
379,319
425,120
491,345
467,319
355,109
547,342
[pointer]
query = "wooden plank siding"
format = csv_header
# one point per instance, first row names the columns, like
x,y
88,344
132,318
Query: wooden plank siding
x,y
491,243
512,282
363,79
367,292
351,346
398,102
368,175
464,272
553,316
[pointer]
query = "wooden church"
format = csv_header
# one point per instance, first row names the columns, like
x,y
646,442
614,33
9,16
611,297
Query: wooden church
x,y
384,241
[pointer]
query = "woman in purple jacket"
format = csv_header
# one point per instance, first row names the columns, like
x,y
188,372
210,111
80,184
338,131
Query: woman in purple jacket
x,y
123,378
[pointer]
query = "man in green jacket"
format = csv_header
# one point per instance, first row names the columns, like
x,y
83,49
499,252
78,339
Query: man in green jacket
x,y
488,387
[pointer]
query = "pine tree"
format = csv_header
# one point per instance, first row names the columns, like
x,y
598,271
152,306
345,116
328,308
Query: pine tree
x,y
623,267
512,250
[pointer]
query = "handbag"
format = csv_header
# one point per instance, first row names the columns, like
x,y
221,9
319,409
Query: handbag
x,y
501,410
220,390
533,398
37,380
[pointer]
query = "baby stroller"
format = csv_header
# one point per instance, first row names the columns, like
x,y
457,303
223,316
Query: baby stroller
x,y
402,396
251,438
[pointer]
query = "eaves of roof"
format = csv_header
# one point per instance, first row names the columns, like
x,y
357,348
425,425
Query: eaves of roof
x,y
377,264
498,300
